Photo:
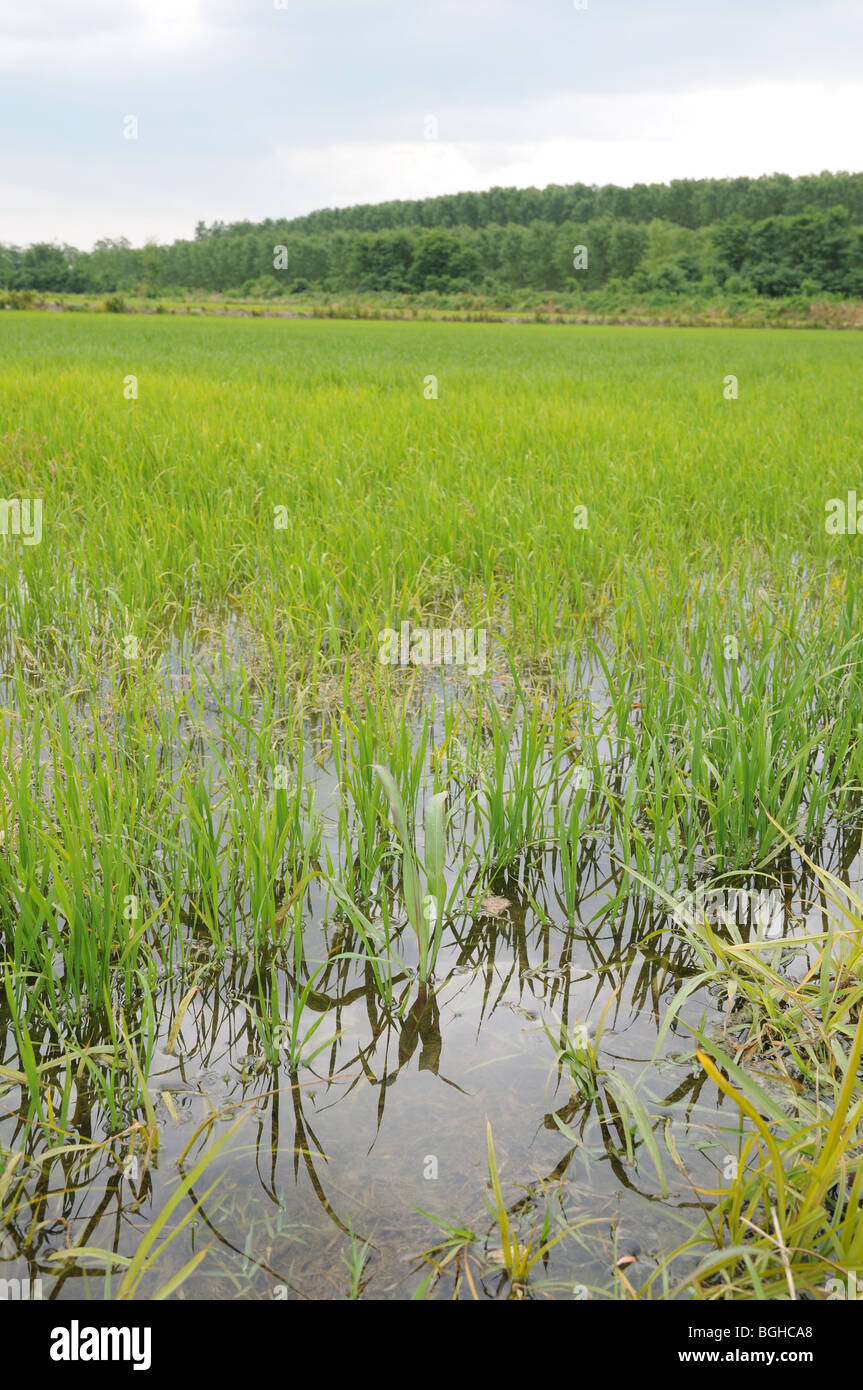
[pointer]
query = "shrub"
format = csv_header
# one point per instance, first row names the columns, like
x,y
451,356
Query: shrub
x,y
738,284
17,299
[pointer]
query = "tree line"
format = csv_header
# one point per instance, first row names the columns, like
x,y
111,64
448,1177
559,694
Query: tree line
x,y
772,236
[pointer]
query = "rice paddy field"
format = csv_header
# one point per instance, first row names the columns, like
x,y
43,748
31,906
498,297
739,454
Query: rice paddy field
x,y
431,791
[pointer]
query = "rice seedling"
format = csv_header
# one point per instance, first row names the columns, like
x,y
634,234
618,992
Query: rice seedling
x,y
517,1256
454,1247
424,910
356,1261
201,752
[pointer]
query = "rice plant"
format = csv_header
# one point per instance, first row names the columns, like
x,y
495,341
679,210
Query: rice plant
x,y
237,846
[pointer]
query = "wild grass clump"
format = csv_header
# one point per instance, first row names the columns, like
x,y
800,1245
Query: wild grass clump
x,y
787,1218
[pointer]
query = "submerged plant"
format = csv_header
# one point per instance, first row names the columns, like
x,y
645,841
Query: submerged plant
x,y
356,1261
517,1256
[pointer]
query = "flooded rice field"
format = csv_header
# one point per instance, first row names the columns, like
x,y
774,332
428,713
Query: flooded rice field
x,y
429,827
317,1115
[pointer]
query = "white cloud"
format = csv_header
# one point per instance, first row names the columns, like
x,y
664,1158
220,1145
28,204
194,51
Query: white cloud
x,y
45,19
609,139
54,34
793,129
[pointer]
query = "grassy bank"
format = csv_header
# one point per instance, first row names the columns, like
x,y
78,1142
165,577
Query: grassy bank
x,y
698,309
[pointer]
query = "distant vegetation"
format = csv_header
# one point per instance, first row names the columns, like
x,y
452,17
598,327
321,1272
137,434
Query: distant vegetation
x,y
773,236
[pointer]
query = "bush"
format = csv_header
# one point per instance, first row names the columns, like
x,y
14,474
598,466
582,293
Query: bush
x,y
738,284
670,279
776,281
115,304
17,299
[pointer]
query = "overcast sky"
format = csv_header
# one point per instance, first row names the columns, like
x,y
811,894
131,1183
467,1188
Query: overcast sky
x,y
267,108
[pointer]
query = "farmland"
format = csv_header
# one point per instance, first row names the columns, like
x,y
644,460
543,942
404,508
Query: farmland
x,y
333,970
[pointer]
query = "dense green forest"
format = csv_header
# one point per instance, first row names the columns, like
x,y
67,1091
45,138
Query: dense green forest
x,y
772,236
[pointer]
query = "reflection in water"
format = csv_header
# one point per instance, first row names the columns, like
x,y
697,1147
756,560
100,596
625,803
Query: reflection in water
x,y
386,1121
